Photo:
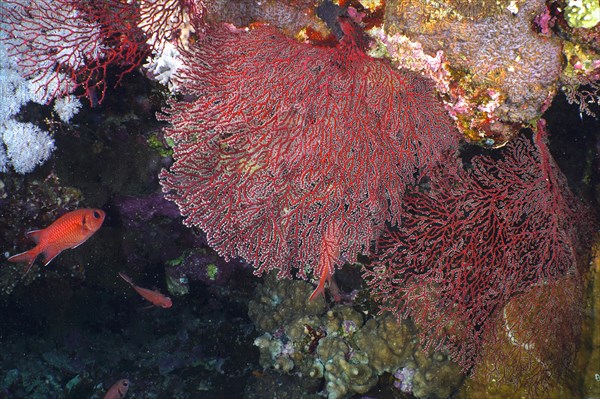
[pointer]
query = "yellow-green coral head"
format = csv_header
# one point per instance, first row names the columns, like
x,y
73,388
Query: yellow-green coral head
x,y
582,13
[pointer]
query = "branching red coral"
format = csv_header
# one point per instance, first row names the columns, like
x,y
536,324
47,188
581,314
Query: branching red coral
x,y
171,20
65,44
282,139
474,240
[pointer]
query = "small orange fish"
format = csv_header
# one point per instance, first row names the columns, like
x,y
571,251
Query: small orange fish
x,y
118,390
330,252
155,297
68,231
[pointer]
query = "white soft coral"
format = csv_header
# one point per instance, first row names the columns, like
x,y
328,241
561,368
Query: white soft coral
x,y
26,145
22,145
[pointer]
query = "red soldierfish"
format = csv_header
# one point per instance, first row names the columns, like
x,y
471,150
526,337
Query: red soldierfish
x,y
68,231
118,390
330,252
155,297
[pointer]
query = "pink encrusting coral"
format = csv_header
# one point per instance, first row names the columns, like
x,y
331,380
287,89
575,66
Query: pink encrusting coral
x,y
469,242
281,139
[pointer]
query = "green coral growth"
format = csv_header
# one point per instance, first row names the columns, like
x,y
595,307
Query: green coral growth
x,y
211,271
582,13
159,146
177,261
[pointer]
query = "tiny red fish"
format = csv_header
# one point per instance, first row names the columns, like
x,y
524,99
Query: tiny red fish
x,y
118,390
155,297
68,231
330,253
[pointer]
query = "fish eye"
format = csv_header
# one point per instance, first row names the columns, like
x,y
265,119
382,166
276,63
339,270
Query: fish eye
x,y
96,214
125,383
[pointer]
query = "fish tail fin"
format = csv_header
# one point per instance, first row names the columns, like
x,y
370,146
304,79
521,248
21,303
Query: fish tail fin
x,y
125,277
26,257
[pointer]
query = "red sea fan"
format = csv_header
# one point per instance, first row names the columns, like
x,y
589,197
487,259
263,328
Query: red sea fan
x,y
474,240
282,139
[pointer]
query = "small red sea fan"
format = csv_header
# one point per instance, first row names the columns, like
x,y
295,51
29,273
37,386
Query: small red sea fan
x,y
282,139
61,45
64,44
474,240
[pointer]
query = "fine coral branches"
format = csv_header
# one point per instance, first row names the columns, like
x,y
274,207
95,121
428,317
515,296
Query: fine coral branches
x,y
474,240
64,45
282,138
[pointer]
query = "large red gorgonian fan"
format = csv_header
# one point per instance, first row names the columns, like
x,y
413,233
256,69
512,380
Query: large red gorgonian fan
x,y
286,149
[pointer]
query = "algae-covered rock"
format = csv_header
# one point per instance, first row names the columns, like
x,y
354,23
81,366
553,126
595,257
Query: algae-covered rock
x,y
493,70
